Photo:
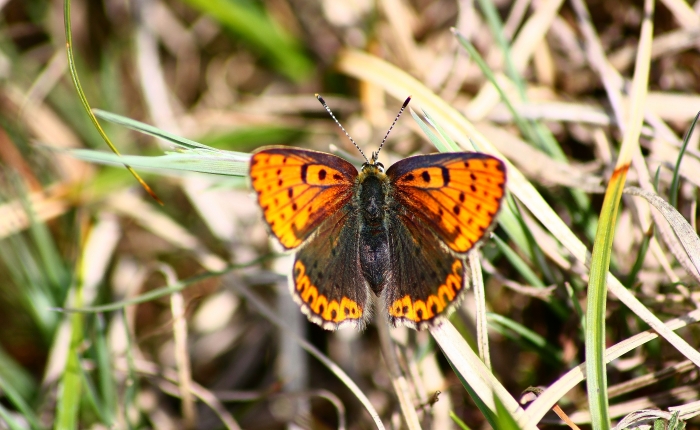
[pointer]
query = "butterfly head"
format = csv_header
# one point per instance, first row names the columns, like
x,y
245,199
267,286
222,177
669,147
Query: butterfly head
x,y
373,166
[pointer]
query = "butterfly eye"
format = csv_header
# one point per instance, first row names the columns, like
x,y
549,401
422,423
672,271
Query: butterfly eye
x,y
380,166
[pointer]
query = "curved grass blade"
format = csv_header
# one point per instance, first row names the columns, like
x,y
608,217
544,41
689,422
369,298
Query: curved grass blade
x,y
84,101
684,231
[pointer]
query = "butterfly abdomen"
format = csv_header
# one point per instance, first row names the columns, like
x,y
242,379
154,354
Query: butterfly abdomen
x,y
374,241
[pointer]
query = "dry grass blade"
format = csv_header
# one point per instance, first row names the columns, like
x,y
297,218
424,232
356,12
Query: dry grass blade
x,y
475,373
184,372
398,380
477,281
683,230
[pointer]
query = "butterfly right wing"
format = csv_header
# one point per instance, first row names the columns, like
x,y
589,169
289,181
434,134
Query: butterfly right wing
x,y
297,189
456,195
427,281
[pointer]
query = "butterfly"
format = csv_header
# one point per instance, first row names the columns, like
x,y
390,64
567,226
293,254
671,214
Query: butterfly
x,y
400,235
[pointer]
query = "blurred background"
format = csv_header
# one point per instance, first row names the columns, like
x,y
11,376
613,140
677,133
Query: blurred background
x,y
237,75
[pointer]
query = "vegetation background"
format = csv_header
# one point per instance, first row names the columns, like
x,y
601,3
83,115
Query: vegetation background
x,y
210,352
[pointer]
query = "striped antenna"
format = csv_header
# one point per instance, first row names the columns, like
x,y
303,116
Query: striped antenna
x,y
323,102
375,155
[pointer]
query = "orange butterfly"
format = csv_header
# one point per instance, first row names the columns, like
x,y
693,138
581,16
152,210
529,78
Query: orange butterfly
x,y
402,235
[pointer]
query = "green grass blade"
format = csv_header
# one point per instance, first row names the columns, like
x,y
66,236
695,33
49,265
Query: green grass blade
x,y
641,254
71,385
150,130
7,418
494,21
440,144
504,419
596,377
224,163
518,263
461,424
527,338
673,192
450,144
16,399
105,375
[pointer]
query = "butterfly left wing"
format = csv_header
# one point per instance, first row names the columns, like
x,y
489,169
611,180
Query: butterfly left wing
x,y
455,195
298,188
327,279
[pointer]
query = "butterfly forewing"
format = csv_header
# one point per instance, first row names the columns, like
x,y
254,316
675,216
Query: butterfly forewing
x,y
297,189
455,195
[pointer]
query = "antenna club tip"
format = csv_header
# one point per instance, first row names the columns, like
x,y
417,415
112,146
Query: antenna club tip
x,y
408,100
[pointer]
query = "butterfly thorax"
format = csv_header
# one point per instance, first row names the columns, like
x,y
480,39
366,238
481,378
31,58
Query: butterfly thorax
x,y
372,202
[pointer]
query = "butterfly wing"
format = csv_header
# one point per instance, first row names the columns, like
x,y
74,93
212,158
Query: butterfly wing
x,y
455,195
327,280
426,280
297,189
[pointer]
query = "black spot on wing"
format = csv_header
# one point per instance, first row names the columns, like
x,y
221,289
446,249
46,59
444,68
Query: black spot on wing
x,y
445,175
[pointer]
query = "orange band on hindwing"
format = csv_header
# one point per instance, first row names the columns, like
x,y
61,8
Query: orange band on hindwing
x,y
333,310
421,310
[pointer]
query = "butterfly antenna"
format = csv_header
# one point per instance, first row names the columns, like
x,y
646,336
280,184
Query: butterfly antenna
x,y
323,102
375,155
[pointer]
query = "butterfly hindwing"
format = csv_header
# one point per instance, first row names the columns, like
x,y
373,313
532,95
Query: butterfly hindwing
x,y
297,189
326,280
456,195
426,280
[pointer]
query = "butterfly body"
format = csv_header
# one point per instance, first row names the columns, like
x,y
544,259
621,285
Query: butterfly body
x,y
400,235
372,205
